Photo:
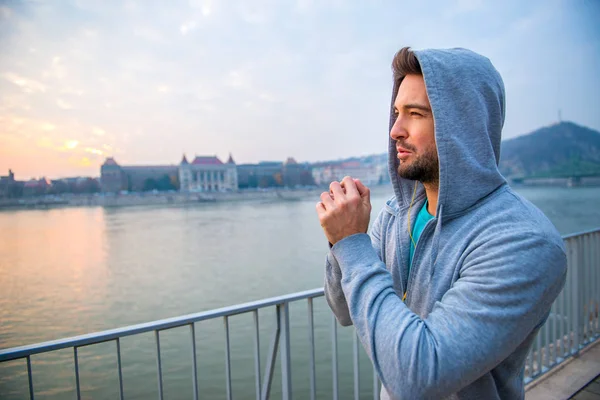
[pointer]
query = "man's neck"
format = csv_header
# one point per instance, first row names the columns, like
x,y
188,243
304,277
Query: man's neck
x,y
432,197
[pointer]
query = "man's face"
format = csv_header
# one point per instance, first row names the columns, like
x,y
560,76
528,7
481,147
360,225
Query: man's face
x,y
414,132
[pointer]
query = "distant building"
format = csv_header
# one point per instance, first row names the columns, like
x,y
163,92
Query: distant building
x,y
369,174
112,178
207,174
9,187
75,185
295,174
115,178
262,175
36,187
275,174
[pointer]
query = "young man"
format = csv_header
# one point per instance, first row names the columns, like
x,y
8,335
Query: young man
x,y
459,272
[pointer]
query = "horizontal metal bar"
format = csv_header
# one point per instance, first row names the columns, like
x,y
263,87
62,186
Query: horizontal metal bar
x,y
572,235
112,334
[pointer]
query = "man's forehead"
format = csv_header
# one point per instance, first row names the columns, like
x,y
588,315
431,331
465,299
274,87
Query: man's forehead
x,y
412,89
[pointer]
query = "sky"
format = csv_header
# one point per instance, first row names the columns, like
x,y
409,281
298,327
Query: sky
x,y
148,81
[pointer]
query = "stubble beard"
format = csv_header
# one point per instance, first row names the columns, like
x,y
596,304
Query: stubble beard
x,y
425,168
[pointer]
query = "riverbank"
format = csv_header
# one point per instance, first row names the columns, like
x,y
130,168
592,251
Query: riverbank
x,y
156,198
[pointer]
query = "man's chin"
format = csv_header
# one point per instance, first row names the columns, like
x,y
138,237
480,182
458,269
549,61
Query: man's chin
x,y
407,173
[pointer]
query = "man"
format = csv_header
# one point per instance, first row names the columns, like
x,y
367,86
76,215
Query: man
x,y
459,272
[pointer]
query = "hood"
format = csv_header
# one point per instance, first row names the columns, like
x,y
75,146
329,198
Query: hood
x,y
466,94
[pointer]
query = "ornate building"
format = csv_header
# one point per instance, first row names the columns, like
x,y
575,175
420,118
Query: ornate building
x,y
115,178
208,174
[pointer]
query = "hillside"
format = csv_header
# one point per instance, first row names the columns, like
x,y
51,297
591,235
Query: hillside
x,y
560,150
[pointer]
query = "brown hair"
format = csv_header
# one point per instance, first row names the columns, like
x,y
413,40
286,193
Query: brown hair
x,y
405,62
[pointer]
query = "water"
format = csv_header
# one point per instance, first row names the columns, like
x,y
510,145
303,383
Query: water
x,y
70,271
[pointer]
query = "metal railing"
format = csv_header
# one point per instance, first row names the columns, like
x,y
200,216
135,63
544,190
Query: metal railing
x,y
573,323
280,342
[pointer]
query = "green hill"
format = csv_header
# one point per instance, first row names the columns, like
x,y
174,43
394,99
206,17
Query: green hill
x,y
561,150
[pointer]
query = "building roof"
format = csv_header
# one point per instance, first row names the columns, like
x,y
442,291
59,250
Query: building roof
x,y
207,160
230,160
148,168
110,161
34,183
184,160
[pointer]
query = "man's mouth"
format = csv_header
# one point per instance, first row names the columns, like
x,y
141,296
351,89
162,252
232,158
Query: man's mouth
x,y
402,152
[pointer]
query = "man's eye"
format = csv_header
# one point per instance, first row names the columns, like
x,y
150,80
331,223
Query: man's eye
x,y
416,114
395,111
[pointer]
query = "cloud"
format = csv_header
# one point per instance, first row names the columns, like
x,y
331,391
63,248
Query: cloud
x,y
94,151
46,126
149,34
27,85
187,27
238,79
205,6
71,144
98,131
5,12
63,104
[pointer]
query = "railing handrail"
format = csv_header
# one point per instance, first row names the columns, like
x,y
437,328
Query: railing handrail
x,y
571,235
15,353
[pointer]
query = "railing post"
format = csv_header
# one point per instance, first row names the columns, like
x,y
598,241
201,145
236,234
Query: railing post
x,y
268,376
356,364
120,368
30,378
596,280
311,341
575,295
194,362
158,364
334,357
286,368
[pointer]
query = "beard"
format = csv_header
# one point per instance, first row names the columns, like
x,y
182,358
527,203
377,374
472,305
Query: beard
x,y
424,168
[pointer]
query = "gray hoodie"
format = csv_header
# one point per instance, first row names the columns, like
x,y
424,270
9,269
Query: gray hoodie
x,y
485,271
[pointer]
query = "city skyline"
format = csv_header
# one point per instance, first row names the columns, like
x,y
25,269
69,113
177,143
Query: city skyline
x,y
146,82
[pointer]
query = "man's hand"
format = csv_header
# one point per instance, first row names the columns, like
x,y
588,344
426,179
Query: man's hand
x,y
345,210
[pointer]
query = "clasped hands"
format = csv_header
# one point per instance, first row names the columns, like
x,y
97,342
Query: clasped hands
x,y
345,210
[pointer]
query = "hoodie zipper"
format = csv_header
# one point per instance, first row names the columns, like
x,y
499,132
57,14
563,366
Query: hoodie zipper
x,y
429,223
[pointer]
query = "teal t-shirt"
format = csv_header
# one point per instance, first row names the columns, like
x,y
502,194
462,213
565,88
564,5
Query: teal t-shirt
x,y
422,218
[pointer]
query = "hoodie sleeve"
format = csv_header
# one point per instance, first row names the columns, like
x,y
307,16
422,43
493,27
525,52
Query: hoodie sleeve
x,y
333,278
505,290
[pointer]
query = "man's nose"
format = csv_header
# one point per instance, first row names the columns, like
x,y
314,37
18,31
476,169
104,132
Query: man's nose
x,y
398,131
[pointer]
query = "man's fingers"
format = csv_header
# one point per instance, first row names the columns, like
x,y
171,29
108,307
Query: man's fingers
x,y
362,189
320,208
336,189
350,187
327,201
